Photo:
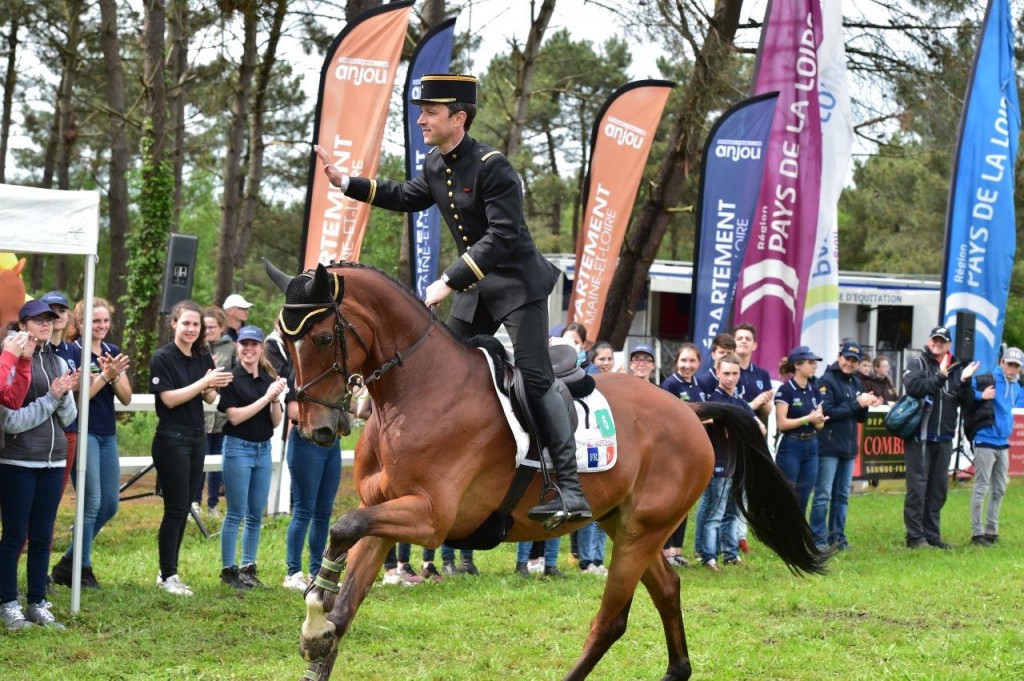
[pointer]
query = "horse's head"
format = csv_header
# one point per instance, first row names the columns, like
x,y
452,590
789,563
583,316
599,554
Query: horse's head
x,y
325,349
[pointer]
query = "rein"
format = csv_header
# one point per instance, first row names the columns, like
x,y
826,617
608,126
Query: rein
x,y
353,382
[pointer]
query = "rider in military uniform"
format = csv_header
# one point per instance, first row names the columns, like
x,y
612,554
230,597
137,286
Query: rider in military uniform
x,y
500,276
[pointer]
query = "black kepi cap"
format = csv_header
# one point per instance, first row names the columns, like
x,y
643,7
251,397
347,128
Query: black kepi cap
x,y
446,88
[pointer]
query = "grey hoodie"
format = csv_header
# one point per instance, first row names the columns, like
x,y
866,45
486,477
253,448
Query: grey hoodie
x,y
34,435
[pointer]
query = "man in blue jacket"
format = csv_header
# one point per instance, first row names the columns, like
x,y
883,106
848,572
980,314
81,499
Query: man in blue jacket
x,y
991,443
845,403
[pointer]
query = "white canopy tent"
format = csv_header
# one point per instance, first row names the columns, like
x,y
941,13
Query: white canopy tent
x,y
59,222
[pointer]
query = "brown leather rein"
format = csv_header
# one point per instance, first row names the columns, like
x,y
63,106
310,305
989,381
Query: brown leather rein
x,y
353,381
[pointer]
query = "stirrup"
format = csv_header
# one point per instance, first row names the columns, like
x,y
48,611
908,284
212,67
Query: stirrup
x,y
551,520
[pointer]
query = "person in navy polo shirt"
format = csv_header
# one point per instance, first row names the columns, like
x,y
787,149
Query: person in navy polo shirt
x,y
799,417
103,470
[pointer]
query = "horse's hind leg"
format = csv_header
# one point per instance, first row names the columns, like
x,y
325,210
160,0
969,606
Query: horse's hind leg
x,y
634,551
662,583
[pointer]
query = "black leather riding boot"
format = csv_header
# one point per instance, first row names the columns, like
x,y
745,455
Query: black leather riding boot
x,y
569,504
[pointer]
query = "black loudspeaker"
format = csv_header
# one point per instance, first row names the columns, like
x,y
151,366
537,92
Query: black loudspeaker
x,y
180,271
964,347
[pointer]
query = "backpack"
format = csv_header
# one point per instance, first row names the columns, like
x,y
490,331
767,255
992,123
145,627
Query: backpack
x,y
904,418
979,413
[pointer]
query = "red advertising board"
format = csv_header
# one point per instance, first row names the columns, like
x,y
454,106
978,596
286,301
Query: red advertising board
x,y
880,454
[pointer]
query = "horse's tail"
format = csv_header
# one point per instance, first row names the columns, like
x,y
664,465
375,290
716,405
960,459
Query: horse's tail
x,y
771,506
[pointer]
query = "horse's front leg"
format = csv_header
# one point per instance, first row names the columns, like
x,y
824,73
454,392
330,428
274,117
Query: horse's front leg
x,y
362,537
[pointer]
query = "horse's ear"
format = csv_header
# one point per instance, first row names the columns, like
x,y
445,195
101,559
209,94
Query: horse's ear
x,y
277,276
319,287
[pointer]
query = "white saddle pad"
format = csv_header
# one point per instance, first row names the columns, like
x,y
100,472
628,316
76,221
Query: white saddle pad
x,y
596,442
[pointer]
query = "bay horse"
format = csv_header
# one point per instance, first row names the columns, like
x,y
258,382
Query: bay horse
x,y
437,452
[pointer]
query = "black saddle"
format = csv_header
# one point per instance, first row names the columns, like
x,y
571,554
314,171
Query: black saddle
x,y
572,383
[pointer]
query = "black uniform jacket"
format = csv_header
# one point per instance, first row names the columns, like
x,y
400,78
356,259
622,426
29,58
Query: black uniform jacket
x,y
480,197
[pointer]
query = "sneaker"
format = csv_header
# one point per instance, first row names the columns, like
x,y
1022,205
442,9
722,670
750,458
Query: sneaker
x,y
39,613
678,561
173,585
391,577
939,544
522,570
430,573
297,581
992,538
396,576
917,543
469,567
553,571
711,564
12,616
61,573
409,576
980,540
596,570
212,512
89,580
450,569
743,545
737,561
535,566
229,576
247,573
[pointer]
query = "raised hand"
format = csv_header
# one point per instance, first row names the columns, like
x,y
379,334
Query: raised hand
x,y
333,174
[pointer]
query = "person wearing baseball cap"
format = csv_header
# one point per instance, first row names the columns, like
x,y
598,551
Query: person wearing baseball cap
x,y
236,309
845,404
253,406
937,378
499,276
33,466
799,417
641,361
988,425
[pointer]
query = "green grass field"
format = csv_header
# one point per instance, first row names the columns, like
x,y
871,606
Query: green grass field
x,y
882,612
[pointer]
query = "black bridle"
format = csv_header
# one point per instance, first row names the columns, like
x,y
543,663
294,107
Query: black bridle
x,y
353,381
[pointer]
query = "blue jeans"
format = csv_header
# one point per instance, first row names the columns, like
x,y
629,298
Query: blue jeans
x,y
798,460
550,551
247,472
28,509
315,473
831,498
447,554
717,535
102,489
591,541
700,513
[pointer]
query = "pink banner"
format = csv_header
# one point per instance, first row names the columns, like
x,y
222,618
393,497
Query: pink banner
x,y
773,283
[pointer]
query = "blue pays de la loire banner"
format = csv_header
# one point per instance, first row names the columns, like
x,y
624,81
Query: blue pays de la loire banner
x,y
433,55
981,234
732,166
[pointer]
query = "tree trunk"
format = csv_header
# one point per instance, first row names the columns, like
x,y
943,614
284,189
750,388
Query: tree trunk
x,y
644,239
10,80
526,66
147,245
67,126
234,180
177,62
117,191
556,201
254,174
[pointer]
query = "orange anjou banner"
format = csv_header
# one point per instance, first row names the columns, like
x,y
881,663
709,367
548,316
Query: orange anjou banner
x,y
356,84
619,143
